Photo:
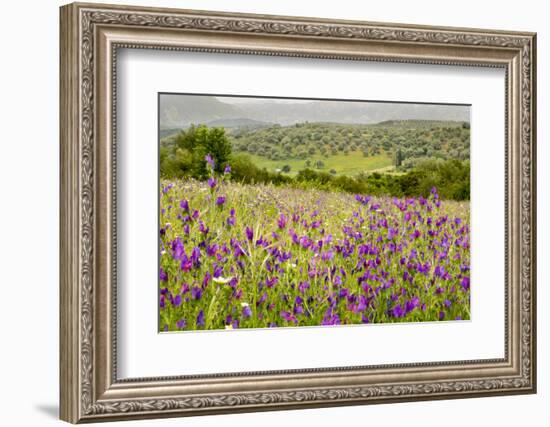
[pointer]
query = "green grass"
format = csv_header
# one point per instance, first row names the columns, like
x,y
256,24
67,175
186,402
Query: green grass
x,y
294,257
350,164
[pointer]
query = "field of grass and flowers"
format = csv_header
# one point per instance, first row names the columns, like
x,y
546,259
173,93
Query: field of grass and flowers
x,y
252,256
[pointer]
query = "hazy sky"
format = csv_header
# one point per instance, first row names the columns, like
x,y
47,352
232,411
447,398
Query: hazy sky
x,y
243,101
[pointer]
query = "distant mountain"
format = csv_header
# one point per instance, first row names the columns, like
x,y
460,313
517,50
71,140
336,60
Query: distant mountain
x,y
419,124
168,132
353,112
242,123
179,111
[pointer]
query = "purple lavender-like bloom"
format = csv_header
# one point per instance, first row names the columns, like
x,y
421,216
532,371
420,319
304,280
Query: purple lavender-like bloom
x,y
305,242
212,249
196,292
162,301
177,249
392,232
184,204
281,222
218,270
231,219
167,188
289,317
162,275
397,311
412,304
195,255
364,200
186,264
176,302
209,160
212,182
206,279
465,283
441,315
447,303
247,312
439,271
227,169
262,299
220,200
181,324
303,286
271,281
200,318
203,228
330,318
249,233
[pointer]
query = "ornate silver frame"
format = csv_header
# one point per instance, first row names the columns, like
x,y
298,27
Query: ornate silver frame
x,y
90,36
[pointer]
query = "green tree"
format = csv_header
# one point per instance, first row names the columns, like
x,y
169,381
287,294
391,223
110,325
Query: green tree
x,y
398,157
198,141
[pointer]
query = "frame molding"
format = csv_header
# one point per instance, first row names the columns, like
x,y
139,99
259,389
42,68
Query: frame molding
x,y
90,36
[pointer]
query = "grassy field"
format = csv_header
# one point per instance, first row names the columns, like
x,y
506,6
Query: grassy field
x,y
350,164
253,256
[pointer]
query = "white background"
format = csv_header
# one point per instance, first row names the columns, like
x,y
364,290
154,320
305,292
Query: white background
x,y
141,349
29,171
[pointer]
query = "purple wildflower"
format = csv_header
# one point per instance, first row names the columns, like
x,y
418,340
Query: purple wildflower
x,y
200,318
196,292
249,233
247,312
210,161
184,204
176,302
289,317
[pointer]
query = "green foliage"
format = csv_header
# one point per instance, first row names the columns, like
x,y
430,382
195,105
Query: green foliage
x,y
191,146
183,156
414,138
451,177
398,157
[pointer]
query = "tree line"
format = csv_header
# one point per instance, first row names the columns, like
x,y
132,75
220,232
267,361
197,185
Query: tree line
x,y
185,158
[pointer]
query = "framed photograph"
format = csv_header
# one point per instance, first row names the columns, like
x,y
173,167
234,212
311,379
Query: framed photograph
x,y
267,212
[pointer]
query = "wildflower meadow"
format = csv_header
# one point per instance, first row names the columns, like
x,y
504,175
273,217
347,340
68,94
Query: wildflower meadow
x,y
240,255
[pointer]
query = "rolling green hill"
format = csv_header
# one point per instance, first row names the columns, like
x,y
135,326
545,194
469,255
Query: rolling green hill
x,y
350,164
348,149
